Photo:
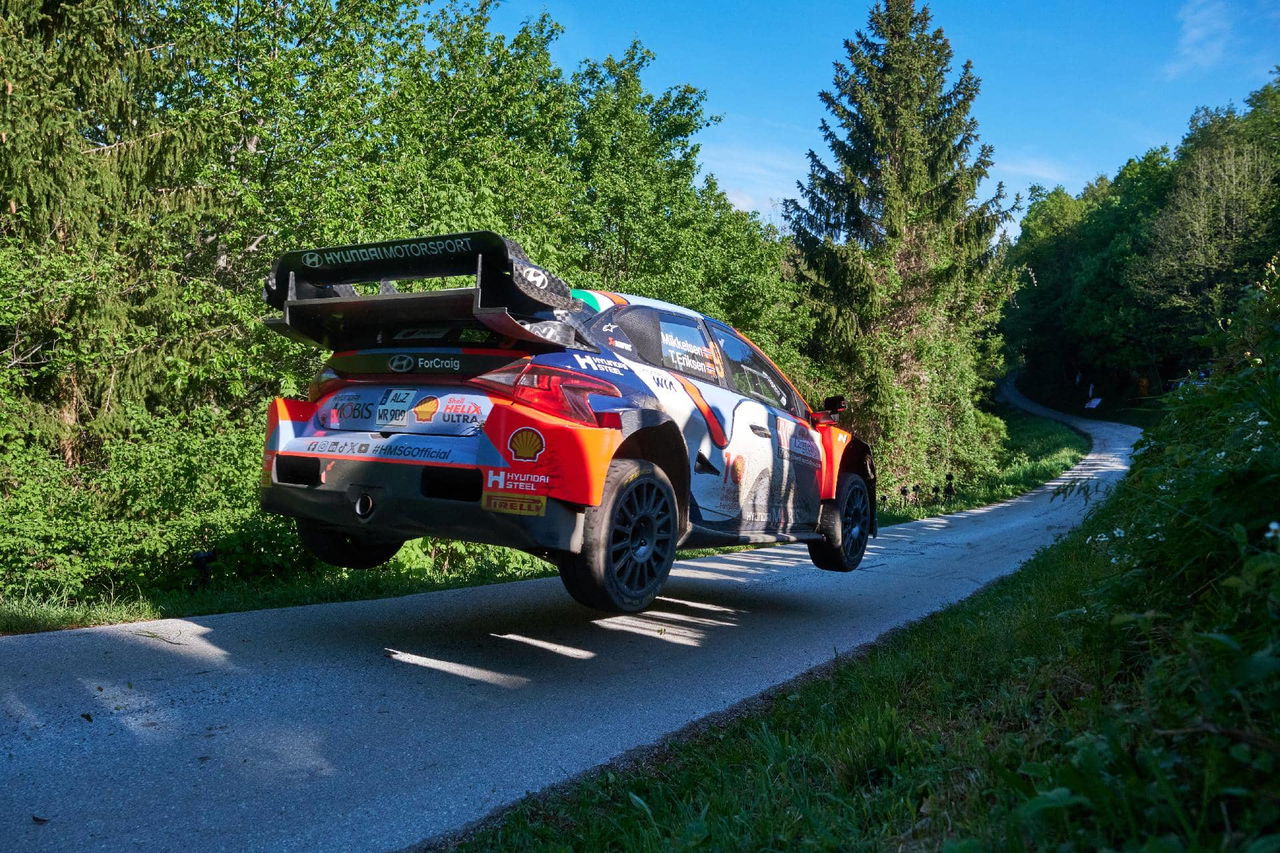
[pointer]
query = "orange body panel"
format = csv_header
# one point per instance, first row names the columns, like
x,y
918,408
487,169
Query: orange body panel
x,y
573,458
835,442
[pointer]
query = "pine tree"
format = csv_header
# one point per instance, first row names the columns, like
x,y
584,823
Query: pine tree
x,y
86,138
900,258
96,188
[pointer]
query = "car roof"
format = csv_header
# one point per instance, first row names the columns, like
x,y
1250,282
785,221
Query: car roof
x,y
602,300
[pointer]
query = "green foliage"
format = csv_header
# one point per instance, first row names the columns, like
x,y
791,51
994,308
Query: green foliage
x,y
63,594
173,487
1181,633
1034,451
902,262
158,155
85,156
1120,281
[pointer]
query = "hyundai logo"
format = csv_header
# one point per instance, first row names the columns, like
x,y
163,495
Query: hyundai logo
x,y
536,277
401,363
311,259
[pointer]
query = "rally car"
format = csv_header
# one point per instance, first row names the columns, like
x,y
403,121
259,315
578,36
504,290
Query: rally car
x,y
598,430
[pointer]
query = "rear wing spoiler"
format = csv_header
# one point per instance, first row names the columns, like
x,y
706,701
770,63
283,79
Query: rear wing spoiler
x,y
314,289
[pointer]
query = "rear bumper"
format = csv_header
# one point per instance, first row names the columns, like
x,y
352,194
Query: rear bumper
x,y
394,505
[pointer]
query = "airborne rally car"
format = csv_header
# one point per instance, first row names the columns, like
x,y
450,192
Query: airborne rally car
x,y
597,430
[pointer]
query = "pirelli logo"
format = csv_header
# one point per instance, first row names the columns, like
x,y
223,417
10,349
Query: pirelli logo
x,y
514,504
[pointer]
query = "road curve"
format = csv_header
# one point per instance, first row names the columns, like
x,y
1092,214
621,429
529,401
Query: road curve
x,y
374,725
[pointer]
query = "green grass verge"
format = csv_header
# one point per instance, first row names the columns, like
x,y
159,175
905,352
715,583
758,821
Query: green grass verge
x,y
941,736
1037,450
27,614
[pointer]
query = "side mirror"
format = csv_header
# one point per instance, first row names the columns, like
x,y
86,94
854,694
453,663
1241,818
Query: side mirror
x,y
831,407
834,404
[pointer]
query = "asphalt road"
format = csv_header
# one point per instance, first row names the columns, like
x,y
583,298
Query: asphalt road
x,y
374,725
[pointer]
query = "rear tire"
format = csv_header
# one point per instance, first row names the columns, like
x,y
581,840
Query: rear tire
x,y
845,525
629,541
349,549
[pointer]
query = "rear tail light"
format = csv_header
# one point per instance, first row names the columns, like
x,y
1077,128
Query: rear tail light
x,y
555,390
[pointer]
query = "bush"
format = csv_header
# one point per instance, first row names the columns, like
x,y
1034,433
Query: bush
x,y
176,485
1186,632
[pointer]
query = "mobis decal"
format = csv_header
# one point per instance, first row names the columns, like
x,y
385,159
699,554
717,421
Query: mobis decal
x,y
344,407
526,444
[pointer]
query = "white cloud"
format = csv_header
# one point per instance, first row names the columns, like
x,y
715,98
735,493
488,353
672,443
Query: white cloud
x,y
1205,29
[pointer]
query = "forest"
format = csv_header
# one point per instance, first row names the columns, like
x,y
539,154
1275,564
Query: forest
x,y
1122,280
158,157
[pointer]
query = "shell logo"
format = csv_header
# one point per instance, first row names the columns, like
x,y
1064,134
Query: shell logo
x,y
526,444
739,469
426,409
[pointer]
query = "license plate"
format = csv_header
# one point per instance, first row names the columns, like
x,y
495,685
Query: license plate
x,y
393,407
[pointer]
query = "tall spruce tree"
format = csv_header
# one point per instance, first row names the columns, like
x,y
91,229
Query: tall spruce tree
x,y
96,188
900,257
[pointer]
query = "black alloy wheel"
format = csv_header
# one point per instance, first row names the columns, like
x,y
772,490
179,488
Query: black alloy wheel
x,y
643,535
629,540
845,525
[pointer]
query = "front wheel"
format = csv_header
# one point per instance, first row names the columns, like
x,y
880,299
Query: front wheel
x,y
845,525
629,540
346,548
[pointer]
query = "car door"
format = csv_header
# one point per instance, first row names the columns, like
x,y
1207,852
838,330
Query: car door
x,y
726,456
785,495
672,354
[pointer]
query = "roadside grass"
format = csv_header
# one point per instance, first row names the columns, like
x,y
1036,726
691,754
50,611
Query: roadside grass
x,y
1121,691
28,614
1037,450
943,736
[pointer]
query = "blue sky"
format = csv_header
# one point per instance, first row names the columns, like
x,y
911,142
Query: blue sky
x,y
1070,90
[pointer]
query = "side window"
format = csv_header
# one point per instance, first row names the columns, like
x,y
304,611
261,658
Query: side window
x,y
686,349
750,374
